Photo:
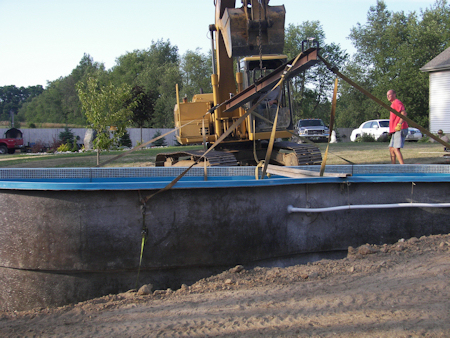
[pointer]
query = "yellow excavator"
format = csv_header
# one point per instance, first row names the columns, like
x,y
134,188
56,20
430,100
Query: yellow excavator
x,y
255,34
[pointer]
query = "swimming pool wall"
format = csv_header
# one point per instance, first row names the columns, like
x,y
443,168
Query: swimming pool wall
x,y
71,234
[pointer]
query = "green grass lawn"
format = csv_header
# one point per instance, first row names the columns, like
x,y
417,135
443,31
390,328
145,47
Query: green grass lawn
x,y
356,152
378,153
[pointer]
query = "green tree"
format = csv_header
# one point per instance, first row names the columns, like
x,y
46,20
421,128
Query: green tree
x,y
163,115
66,136
312,89
145,107
161,142
353,107
12,98
125,140
106,107
196,73
156,71
392,47
59,102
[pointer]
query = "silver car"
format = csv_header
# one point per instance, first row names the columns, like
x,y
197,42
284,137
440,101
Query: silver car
x,y
414,135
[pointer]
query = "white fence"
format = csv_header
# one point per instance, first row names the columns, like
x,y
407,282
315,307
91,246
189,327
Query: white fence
x,y
47,135
344,134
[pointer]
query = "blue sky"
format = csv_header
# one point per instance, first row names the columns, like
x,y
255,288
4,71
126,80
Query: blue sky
x,y
42,40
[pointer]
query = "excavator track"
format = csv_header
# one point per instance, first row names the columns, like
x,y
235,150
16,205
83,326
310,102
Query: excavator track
x,y
306,153
285,153
181,158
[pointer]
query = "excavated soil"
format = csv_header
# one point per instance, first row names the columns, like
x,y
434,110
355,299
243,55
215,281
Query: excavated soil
x,y
399,290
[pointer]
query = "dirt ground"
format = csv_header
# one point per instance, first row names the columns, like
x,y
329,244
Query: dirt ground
x,y
399,290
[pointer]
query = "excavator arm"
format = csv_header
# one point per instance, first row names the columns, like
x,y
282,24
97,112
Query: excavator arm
x,y
255,31
255,28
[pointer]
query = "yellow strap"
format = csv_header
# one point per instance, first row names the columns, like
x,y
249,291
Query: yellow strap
x,y
259,165
333,112
205,170
144,233
140,260
272,138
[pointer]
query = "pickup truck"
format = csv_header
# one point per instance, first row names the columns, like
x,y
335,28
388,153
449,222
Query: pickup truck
x,y
313,129
13,140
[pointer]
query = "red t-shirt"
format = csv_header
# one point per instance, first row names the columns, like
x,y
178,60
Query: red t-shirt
x,y
394,119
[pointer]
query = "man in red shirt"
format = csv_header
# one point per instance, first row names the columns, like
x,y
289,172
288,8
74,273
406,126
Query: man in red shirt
x,y
398,128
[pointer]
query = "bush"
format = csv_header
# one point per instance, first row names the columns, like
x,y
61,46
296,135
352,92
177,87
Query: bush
x,y
63,148
38,147
161,142
74,146
66,136
365,138
54,145
383,138
125,141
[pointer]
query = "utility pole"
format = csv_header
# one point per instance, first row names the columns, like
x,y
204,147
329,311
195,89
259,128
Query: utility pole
x,y
11,113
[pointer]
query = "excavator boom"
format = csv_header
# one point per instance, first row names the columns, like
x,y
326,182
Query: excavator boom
x,y
254,33
307,59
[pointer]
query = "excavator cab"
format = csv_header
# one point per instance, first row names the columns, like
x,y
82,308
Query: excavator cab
x,y
255,68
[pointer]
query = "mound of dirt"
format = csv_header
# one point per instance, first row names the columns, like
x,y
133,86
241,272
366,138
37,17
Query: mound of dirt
x,y
399,290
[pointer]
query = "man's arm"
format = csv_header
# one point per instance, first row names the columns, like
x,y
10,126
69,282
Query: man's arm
x,y
403,112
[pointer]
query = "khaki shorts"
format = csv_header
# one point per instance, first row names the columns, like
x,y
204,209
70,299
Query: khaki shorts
x,y
398,139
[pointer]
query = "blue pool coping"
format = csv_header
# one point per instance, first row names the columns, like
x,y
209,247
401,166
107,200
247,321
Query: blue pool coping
x,y
147,178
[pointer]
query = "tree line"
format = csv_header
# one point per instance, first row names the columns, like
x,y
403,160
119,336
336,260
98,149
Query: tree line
x,y
12,98
391,47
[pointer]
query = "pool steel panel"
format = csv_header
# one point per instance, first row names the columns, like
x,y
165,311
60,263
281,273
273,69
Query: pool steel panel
x,y
64,246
